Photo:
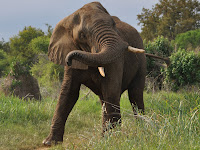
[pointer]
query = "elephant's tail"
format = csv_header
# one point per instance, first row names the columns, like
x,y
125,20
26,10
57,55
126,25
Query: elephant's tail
x,y
166,59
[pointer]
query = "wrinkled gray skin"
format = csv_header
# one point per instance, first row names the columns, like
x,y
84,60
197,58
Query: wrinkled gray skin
x,y
85,40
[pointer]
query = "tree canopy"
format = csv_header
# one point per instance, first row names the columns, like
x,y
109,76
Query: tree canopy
x,y
169,18
23,49
4,46
20,44
188,40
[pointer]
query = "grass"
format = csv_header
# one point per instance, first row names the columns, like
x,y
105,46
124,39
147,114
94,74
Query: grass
x,y
172,121
23,123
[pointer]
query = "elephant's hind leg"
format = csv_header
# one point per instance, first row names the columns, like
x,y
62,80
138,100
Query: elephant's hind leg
x,y
136,99
135,93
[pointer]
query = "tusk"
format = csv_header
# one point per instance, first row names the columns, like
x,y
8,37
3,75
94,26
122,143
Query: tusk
x,y
101,71
135,50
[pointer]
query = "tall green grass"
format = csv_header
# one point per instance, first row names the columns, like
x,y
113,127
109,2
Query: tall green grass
x,y
23,124
171,121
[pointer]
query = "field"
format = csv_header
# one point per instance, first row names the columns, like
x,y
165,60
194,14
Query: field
x,y
172,121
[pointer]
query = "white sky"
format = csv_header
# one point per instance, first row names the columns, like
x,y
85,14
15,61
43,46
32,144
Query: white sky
x,y
16,14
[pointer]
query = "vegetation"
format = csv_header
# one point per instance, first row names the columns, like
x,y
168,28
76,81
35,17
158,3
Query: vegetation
x,y
184,63
3,62
49,76
23,122
184,68
161,47
40,44
19,45
171,121
189,40
4,58
4,46
24,48
24,51
169,18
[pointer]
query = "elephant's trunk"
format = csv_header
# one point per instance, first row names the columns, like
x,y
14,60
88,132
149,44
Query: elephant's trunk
x,y
109,46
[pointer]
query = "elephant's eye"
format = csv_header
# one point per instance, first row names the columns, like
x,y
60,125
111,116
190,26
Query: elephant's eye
x,y
82,36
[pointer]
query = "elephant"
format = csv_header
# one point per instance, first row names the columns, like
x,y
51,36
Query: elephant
x,y
103,53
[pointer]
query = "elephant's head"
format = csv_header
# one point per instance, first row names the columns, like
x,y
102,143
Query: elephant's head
x,y
88,37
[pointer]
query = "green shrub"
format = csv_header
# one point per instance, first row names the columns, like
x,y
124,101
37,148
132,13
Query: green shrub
x,y
5,46
20,44
47,70
184,69
40,44
4,63
187,40
18,68
49,76
161,47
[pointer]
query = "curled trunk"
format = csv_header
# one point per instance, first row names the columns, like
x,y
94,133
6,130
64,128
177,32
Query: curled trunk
x,y
109,44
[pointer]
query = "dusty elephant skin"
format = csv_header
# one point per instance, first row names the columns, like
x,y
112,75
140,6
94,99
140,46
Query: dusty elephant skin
x,y
87,40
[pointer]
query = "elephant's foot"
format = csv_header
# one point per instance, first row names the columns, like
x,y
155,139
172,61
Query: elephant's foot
x,y
111,124
50,140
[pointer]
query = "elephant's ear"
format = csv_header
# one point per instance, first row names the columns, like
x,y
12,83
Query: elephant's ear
x,y
61,43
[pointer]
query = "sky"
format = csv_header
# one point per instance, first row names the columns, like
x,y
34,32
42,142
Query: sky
x,y
16,14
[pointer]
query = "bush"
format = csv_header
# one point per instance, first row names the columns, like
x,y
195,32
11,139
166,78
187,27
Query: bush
x,y
161,47
18,68
188,40
20,45
47,70
40,44
184,69
4,63
5,46
49,76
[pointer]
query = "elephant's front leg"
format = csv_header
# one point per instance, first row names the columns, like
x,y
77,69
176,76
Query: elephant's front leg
x,y
111,89
111,113
67,99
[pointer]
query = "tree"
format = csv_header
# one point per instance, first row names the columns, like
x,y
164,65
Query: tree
x,y
40,44
188,40
4,57
4,46
20,44
4,63
169,18
49,30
